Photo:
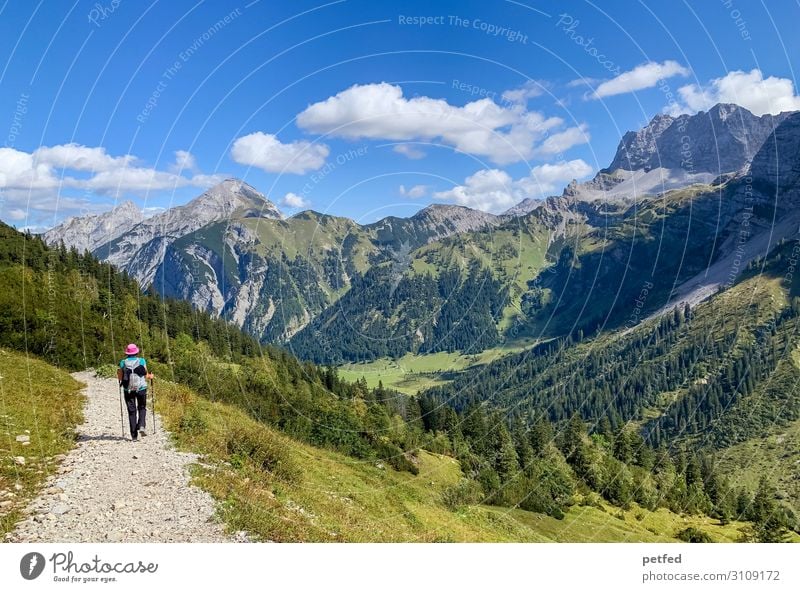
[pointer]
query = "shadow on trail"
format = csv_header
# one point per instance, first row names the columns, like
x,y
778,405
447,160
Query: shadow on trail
x,y
84,438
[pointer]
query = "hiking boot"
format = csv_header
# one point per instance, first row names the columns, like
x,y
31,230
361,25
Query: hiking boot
x,y
142,432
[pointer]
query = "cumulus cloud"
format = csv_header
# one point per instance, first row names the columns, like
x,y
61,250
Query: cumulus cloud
x,y
141,180
268,153
748,89
16,214
409,151
641,77
561,141
47,168
184,161
38,183
415,192
530,90
292,200
380,111
79,158
493,190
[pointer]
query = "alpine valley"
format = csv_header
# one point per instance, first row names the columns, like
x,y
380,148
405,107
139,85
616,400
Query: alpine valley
x,y
686,204
624,354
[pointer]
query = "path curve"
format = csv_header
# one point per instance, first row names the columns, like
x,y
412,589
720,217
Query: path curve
x,y
110,489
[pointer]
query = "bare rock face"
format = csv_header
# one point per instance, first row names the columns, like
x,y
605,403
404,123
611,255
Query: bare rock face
x,y
526,206
141,250
675,152
86,233
777,164
721,140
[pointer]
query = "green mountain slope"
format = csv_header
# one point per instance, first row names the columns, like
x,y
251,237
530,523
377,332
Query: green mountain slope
x,y
683,374
385,444
318,495
273,276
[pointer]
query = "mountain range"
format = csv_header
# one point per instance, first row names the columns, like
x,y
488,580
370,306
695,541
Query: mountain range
x,y
683,207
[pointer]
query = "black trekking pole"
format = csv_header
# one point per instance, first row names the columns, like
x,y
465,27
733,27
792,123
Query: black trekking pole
x,y
153,397
121,412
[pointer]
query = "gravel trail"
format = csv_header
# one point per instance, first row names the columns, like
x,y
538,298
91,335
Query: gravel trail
x,y
110,489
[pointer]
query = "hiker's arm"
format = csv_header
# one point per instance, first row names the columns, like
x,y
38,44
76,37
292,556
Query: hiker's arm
x,y
149,375
119,375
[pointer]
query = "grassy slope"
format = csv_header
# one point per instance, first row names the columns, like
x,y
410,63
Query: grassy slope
x,y
44,403
776,455
281,490
311,235
515,253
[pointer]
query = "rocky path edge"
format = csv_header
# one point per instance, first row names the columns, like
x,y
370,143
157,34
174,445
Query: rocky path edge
x,y
111,489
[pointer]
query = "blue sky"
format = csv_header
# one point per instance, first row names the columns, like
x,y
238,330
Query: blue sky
x,y
357,108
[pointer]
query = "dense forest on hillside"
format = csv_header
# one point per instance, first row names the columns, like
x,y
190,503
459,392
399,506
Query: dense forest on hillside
x,y
76,312
388,312
721,373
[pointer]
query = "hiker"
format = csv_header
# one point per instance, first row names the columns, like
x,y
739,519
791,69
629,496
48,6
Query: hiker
x,y
132,375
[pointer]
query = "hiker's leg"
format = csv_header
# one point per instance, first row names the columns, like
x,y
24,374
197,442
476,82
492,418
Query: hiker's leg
x,y
141,400
130,403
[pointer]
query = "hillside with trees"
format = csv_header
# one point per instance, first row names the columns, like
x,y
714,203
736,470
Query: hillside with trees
x,y
73,311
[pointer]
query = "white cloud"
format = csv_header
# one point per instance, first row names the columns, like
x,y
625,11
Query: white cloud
x,y
409,151
584,81
547,178
16,214
184,161
46,169
141,180
642,76
380,111
530,90
415,192
79,158
268,153
747,89
38,183
19,171
292,200
493,190
562,141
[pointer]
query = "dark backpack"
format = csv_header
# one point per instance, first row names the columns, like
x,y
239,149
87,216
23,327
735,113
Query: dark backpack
x,y
133,375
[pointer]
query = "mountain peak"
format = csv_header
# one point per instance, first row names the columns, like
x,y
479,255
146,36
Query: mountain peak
x,y
722,140
233,196
526,206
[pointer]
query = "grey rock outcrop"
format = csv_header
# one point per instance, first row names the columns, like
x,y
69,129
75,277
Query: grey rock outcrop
x,y
721,140
777,163
141,250
88,232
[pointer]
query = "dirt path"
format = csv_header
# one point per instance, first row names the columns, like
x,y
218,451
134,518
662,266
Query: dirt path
x,y
110,489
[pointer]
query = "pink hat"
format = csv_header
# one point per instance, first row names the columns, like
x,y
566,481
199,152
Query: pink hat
x,y
131,349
